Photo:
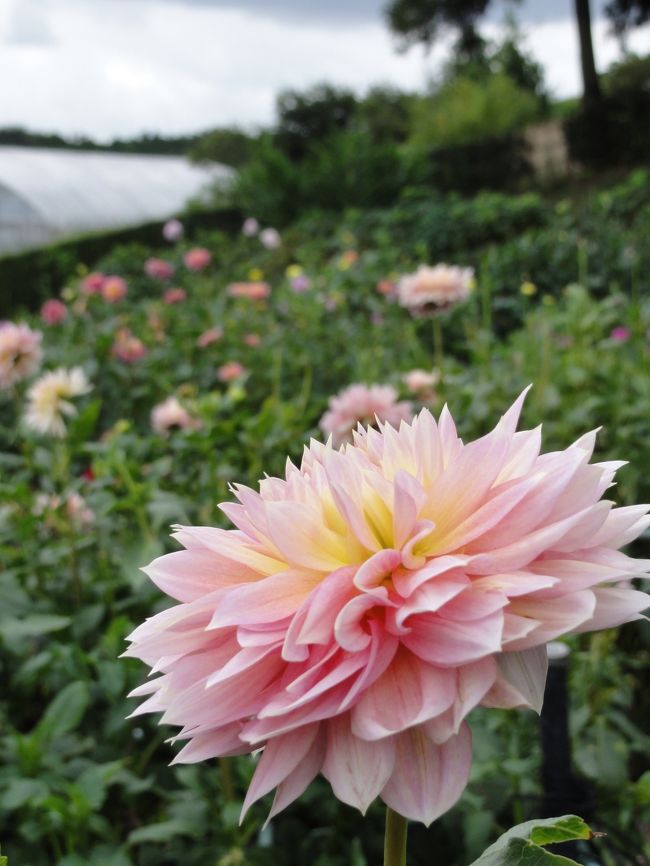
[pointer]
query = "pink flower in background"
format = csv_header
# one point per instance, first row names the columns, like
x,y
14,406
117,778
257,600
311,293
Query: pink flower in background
x,y
251,227
128,348
256,291
300,284
207,338
92,284
362,404
20,353
620,334
114,289
174,296
171,414
53,312
253,340
230,371
421,381
369,600
173,230
74,505
197,258
387,288
270,238
429,290
158,269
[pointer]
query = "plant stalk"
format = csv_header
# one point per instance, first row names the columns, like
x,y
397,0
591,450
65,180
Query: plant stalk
x,y
395,839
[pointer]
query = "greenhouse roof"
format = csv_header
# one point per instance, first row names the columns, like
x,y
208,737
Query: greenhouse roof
x,y
47,194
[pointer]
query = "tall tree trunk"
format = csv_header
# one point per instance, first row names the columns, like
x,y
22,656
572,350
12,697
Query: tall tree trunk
x,y
590,80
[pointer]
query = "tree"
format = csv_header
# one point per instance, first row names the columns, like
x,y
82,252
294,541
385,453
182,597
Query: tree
x,y
628,13
311,115
422,20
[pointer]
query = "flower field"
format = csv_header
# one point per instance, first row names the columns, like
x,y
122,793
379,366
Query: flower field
x,y
134,399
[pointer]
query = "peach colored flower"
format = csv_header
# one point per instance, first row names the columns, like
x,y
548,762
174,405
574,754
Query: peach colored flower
x,y
53,312
251,227
174,296
128,348
173,230
252,291
114,289
170,414
362,404
253,340
421,381
429,290
349,258
158,269
207,338
20,353
197,259
270,238
371,598
230,371
92,284
48,400
387,288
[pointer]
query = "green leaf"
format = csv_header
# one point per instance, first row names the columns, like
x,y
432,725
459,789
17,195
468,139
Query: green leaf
x,y
161,832
65,712
521,846
32,626
21,791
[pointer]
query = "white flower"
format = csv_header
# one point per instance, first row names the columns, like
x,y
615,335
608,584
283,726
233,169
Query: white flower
x,y
48,399
430,289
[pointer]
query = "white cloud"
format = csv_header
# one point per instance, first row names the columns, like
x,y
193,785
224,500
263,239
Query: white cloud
x,y
121,67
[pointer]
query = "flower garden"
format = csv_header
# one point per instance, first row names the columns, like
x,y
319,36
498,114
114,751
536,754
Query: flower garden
x,y
153,386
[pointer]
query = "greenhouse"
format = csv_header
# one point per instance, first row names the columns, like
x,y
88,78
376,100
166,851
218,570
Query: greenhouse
x,y
48,194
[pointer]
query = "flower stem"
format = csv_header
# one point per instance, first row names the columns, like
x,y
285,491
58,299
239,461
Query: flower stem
x,y
395,839
438,349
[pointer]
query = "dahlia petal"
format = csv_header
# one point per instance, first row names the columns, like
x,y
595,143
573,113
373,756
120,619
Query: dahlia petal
x,y
374,570
407,580
557,616
382,651
622,526
188,575
448,643
349,631
409,497
280,757
356,769
222,743
407,693
432,596
516,583
229,544
270,599
526,672
299,778
428,779
299,534
614,607
473,604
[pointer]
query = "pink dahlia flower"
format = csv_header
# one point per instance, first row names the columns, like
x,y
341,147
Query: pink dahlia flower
x,y
431,289
158,269
127,347
620,334
114,289
270,238
360,404
92,284
256,291
173,230
230,371
197,259
421,382
253,340
250,227
20,353
171,414
207,338
369,600
53,312
174,296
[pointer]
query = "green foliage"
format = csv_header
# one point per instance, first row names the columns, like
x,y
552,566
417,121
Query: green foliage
x,y
82,784
228,146
525,843
306,117
466,110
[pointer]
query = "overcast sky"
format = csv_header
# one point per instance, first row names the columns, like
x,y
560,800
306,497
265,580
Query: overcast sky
x,y
121,67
